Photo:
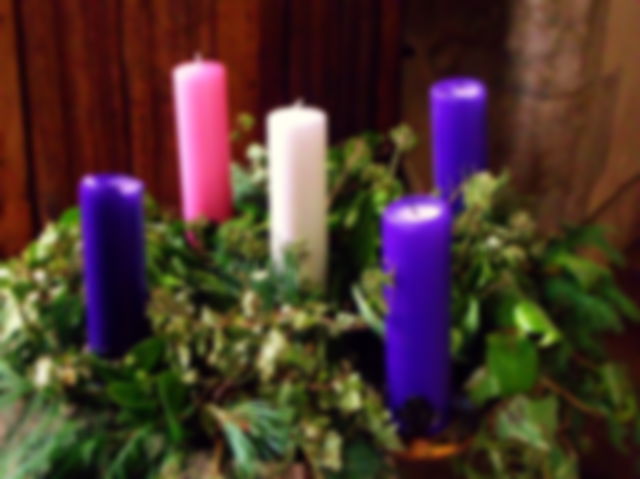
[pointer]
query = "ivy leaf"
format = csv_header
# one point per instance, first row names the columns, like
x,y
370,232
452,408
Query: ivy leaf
x,y
585,271
456,341
367,312
173,395
358,233
511,368
245,121
531,421
70,218
563,465
471,320
66,314
482,386
244,187
11,320
530,319
592,236
596,314
245,456
513,361
12,385
620,301
244,453
361,461
480,189
255,431
403,138
129,454
619,390
147,354
34,431
130,395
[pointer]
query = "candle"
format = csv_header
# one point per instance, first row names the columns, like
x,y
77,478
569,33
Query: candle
x,y
114,268
459,131
297,149
200,96
416,234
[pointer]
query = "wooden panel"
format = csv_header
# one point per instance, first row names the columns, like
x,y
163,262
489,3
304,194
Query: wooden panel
x,y
173,37
239,47
299,56
442,38
616,119
345,57
574,110
92,85
143,111
549,96
97,86
274,58
565,107
47,101
388,54
337,47
15,207
318,52
238,39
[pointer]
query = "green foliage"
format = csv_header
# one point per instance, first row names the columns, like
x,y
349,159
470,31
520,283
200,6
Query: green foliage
x,y
250,371
530,311
511,368
244,374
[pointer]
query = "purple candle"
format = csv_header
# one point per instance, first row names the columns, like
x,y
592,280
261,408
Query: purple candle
x,y
114,267
459,132
416,234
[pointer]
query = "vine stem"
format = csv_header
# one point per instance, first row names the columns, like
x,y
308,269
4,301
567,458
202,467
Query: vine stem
x,y
396,159
584,362
218,452
570,397
472,221
612,199
342,179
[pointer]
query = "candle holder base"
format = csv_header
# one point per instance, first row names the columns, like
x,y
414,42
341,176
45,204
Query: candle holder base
x,y
425,458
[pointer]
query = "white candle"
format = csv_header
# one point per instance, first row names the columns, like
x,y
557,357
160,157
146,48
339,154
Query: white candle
x,y
297,147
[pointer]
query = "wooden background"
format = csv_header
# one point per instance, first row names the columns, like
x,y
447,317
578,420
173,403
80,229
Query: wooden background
x,y
86,85
565,102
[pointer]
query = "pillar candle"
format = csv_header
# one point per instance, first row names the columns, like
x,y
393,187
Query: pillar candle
x,y
416,234
297,149
459,132
112,220
200,97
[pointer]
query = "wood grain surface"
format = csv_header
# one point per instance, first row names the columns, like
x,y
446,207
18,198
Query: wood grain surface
x,y
565,106
86,88
86,84
16,211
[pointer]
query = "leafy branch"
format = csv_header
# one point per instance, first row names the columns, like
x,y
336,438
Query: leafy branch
x,y
250,372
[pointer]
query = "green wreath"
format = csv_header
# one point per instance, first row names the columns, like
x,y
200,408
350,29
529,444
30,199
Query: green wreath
x,y
249,372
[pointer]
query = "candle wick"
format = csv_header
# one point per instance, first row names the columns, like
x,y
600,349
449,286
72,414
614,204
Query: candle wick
x,y
197,56
299,103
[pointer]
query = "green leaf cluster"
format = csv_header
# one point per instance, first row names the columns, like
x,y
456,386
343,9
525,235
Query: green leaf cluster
x,y
250,372
530,312
247,371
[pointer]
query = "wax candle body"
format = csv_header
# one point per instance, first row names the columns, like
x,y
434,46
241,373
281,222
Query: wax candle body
x,y
200,97
459,131
297,148
416,253
114,267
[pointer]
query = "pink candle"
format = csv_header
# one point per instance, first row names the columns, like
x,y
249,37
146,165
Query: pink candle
x,y
200,96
